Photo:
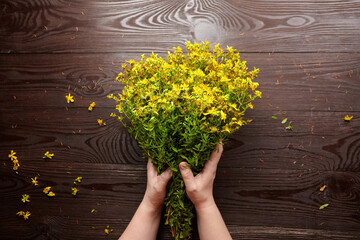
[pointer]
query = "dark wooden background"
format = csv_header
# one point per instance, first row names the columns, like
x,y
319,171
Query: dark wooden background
x,y
268,180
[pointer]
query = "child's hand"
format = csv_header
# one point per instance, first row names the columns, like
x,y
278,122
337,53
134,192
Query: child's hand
x,y
200,188
156,186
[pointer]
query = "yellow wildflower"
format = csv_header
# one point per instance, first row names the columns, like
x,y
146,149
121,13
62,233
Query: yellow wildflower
x,y
226,129
223,115
258,94
74,191
16,164
34,181
91,107
69,98
239,122
51,194
25,198
213,129
348,118
12,155
46,190
25,215
20,213
211,111
100,122
48,155
250,105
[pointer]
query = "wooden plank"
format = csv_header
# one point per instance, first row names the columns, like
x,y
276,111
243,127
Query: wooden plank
x,y
138,26
286,202
325,82
320,141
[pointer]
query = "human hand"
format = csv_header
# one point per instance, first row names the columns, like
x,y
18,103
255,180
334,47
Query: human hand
x,y
156,186
200,188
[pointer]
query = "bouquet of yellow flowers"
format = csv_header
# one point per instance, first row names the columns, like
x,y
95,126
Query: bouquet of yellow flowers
x,y
178,109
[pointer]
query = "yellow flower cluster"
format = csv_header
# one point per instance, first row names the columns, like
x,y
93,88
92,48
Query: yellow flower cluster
x,y
197,84
14,159
179,108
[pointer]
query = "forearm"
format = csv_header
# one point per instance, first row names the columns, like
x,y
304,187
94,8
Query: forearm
x,y
210,223
144,224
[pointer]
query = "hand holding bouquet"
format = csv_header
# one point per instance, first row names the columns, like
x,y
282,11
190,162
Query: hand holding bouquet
x,y
178,109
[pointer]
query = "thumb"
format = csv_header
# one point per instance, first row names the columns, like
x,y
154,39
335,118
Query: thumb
x,y
186,173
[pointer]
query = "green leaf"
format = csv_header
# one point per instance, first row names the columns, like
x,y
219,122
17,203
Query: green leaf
x,y
274,117
323,206
284,121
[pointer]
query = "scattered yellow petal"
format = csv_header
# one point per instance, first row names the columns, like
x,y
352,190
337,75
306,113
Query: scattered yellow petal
x,y
34,181
100,122
69,98
322,188
91,107
14,159
108,230
25,198
348,118
46,190
48,155
74,191
51,194
78,179
25,215
12,155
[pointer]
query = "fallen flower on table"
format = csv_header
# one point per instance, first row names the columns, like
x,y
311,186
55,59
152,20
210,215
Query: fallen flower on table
x,y
322,188
289,127
69,98
78,179
34,181
108,230
48,155
74,191
347,118
48,192
14,159
91,107
51,194
25,198
284,121
323,206
101,122
12,155
26,214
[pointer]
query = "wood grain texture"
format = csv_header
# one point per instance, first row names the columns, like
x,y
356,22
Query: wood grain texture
x,y
268,180
115,191
311,82
138,26
321,141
